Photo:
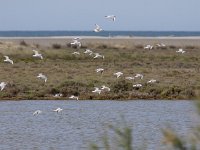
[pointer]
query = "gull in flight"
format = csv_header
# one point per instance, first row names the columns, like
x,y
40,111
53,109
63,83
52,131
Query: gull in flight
x,y
180,51
151,81
75,53
73,97
130,78
149,47
41,76
112,17
118,74
3,85
7,59
101,70
103,87
37,112
137,85
58,95
139,76
97,55
88,51
37,54
58,110
76,43
98,28
97,90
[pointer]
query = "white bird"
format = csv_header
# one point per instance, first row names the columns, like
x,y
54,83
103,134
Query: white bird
x,y
3,85
88,51
41,76
180,51
130,78
37,54
75,53
139,76
118,74
137,85
73,97
97,90
103,87
97,55
98,28
149,47
101,70
8,59
76,43
37,112
112,17
58,110
58,95
151,81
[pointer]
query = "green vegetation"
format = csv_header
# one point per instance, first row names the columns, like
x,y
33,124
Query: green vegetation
x,y
177,74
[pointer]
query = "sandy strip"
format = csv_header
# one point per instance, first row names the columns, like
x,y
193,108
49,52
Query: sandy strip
x,y
119,40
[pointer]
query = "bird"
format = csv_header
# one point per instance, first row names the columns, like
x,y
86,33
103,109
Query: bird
x,y
41,76
75,53
76,43
98,28
149,47
180,51
130,78
101,70
58,95
151,81
3,85
58,110
37,54
103,87
118,74
137,85
97,90
37,112
88,51
74,97
7,59
112,17
139,76
97,55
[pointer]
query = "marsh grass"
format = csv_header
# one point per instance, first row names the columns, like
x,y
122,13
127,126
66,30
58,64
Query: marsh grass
x,y
177,74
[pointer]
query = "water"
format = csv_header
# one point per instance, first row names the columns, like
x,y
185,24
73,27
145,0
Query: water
x,y
103,33
83,122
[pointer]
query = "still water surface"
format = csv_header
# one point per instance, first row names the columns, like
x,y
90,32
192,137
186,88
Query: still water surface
x,y
83,122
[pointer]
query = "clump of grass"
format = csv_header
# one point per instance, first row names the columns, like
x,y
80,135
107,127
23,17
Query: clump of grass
x,y
56,46
23,43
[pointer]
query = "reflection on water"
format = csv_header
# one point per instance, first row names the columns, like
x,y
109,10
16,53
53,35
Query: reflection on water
x,y
82,122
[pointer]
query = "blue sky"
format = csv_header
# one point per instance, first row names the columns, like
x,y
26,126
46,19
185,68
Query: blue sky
x,y
135,15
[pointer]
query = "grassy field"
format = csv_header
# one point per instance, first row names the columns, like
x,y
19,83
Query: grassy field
x,y
177,75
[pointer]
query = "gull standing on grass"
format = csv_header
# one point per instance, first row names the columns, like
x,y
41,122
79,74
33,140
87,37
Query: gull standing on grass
x,y
74,97
58,95
180,51
75,53
130,78
88,51
97,90
151,81
37,112
149,47
97,55
118,74
101,70
41,76
112,17
37,54
3,85
137,85
7,59
76,43
98,28
139,76
58,110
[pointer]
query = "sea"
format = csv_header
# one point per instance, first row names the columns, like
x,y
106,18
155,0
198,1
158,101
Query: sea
x,y
102,34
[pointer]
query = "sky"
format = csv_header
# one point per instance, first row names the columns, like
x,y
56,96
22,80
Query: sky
x,y
132,15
